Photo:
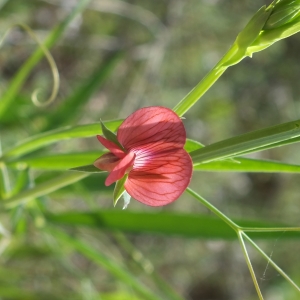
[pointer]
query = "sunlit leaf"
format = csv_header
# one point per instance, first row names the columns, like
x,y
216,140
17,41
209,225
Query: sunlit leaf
x,y
187,225
248,165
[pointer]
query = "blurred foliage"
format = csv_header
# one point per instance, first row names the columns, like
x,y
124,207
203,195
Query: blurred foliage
x,y
113,58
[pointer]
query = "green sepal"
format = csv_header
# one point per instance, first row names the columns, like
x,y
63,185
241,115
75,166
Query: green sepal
x,y
119,189
109,135
87,169
282,16
252,30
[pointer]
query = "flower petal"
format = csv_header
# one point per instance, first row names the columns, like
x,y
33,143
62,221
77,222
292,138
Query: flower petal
x,y
162,180
106,162
153,129
120,169
112,147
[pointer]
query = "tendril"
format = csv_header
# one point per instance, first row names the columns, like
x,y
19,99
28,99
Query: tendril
x,y
50,60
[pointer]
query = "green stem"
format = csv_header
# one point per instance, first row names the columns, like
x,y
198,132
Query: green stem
x,y
272,263
248,261
269,229
204,85
213,209
4,179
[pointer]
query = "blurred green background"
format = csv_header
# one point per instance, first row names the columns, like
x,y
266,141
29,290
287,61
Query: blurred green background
x,y
114,58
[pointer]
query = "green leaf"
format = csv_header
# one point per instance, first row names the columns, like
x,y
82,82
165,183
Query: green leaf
x,y
68,161
72,160
110,135
247,143
53,136
57,161
44,188
178,224
240,164
191,145
119,189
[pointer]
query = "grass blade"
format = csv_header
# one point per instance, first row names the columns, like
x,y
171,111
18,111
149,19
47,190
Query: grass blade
x,y
50,137
57,161
240,164
45,188
84,159
186,225
249,142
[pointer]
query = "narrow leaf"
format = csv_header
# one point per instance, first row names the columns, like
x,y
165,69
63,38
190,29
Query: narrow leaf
x,y
240,164
57,161
53,136
191,145
186,225
44,188
248,142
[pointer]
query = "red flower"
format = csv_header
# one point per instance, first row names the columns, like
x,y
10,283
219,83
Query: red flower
x,y
151,151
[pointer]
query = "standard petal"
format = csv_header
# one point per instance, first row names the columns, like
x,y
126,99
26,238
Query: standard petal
x,y
162,179
153,129
107,162
120,169
112,147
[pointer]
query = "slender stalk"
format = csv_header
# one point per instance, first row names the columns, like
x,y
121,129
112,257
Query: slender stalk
x,y
204,85
213,209
271,229
271,262
248,261
4,179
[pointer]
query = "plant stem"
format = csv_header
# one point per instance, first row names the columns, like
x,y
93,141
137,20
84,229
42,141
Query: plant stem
x,y
248,261
213,209
4,179
269,229
271,262
204,85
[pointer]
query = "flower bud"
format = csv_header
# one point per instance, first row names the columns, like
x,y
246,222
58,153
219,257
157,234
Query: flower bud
x,y
283,13
283,22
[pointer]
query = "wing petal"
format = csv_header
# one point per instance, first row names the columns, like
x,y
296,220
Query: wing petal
x,y
106,162
162,180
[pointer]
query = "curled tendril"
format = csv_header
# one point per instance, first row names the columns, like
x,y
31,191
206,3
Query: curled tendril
x,y
50,60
